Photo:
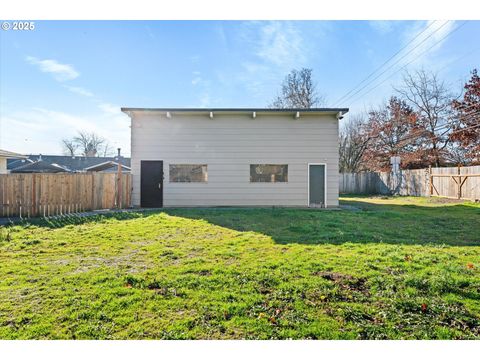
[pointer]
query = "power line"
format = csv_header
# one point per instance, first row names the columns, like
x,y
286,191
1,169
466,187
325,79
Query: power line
x,y
396,62
390,58
441,127
459,58
403,67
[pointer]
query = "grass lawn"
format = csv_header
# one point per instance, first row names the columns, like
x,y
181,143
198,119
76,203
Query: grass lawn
x,y
385,268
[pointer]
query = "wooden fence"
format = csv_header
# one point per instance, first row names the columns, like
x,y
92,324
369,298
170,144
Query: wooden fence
x,y
29,195
452,182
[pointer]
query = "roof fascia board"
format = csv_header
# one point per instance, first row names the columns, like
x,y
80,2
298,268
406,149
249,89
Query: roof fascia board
x,y
208,112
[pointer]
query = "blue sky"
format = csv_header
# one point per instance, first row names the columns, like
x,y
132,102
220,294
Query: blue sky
x,y
66,76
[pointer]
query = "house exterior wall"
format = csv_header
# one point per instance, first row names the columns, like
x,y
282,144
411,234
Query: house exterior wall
x,y
3,165
228,144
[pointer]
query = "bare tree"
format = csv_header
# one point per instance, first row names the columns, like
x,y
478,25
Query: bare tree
x,y
69,147
298,91
108,150
354,140
431,99
458,154
89,144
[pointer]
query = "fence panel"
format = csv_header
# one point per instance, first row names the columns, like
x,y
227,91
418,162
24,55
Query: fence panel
x,y
29,195
445,182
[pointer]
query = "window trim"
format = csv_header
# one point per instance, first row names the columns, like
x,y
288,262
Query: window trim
x,y
187,182
266,182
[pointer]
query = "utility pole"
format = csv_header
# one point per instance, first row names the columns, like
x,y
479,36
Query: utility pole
x,y
396,174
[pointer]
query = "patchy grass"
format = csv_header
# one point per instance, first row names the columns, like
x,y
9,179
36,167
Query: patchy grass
x,y
393,268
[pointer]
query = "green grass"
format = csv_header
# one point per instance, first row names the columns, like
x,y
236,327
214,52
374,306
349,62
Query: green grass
x,y
387,268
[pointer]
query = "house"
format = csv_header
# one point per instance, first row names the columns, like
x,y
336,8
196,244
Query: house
x,y
39,166
61,163
5,156
234,157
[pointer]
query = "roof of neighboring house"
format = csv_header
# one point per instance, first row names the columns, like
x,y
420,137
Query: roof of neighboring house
x,y
72,163
107,165
293,111
39,167
11,155
15,163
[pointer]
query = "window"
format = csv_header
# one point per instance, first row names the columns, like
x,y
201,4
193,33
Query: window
x,y
268,173
188,173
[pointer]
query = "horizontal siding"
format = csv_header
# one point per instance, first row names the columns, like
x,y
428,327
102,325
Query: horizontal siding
x,y
228,145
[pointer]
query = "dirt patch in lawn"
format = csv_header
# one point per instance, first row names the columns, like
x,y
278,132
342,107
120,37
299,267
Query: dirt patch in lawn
x,y
346,282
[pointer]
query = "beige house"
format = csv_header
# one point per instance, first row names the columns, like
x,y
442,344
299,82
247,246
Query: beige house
x,y
234,157
4,155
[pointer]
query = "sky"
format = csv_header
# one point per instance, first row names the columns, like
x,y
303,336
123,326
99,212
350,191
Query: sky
x,y
68,76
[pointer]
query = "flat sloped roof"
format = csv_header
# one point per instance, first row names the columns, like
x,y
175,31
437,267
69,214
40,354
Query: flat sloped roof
x,y
238,110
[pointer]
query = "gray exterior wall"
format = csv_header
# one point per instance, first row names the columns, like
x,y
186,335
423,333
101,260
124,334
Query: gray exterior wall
x,y
228,144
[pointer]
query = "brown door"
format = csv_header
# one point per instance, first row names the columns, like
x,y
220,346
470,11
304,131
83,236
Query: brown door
x,y
151,183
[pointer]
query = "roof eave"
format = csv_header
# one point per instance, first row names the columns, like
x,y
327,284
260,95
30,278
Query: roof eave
x,y
290,111
11,155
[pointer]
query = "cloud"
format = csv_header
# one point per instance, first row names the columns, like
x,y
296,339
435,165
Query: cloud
x,y
61,72
197,79
79,90
205,100
275,48
40,130
428,43
280,43
382,26
109,109
195,58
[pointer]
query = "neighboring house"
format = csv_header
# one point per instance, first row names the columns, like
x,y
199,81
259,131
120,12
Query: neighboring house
x,y
107,166
59,163
39,166
5,156
234,157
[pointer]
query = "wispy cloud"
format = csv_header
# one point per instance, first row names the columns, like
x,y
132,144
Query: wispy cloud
x,y
276,47
382,26
40,130
205,100
195,58
61,72
280,43
432,35
79,90
109,109
197,79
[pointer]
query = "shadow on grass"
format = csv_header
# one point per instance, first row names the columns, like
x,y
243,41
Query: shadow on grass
x,y
60,221
454,225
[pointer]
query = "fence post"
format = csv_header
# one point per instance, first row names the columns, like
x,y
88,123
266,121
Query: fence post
x,y
430,177
459,191
34,196
93,193
119,181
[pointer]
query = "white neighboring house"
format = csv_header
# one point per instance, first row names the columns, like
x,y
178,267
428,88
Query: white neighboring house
x,y
234,157
4,155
